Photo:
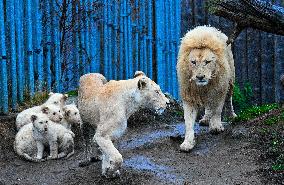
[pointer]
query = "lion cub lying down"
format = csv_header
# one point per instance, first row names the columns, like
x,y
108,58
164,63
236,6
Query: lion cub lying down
x,y
52,107
41,132
108,106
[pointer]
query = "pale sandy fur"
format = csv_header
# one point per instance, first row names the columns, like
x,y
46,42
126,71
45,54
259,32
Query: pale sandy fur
x,y
199,46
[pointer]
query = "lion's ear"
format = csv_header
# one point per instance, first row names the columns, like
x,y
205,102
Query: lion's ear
x,y
33,118
65,96
44,109
142,83
51,93
139,73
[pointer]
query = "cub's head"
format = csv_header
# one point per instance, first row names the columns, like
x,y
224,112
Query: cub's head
x,y
203,65
53,112
150,93
57,99
71,114
40,122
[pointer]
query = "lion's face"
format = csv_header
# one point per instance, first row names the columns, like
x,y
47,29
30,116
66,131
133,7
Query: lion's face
x,y
151,95
40,122
202,63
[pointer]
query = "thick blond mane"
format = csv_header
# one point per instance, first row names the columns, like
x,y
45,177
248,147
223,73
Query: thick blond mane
x,y
201,37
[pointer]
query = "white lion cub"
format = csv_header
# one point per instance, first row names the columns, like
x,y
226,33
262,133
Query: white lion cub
x,y
52,107
108,106
71,116
33,137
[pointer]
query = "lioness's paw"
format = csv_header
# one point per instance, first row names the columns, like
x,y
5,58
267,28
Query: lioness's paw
x,y
216,129
187,146
109,174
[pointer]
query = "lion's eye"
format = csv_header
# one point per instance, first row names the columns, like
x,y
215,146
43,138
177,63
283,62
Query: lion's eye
x,y
55,102
46,121
41,122
75,113
54,113
207,61
158,92
193,62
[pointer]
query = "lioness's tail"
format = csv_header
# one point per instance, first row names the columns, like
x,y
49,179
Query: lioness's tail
x,y
90,83
24,155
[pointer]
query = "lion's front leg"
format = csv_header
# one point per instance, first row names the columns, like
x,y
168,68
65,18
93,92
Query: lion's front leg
x,y
206,118
215,123
112,159
190,114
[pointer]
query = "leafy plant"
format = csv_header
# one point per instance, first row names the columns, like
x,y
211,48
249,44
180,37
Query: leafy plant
x,y
242,97
72,93
255,111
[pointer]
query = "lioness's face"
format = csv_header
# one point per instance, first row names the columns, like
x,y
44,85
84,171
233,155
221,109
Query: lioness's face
x,y
202,63
40,122
151,95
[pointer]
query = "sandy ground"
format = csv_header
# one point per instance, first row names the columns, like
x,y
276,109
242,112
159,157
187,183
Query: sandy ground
x,y
151,156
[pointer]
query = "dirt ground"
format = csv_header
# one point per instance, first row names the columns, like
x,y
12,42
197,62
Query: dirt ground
x,y
151,156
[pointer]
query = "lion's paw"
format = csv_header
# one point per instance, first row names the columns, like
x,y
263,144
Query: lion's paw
x,y
187,146
216,129
109,174
204,122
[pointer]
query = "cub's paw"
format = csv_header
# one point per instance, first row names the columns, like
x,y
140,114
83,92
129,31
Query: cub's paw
x,y
216,129
187,146
51,157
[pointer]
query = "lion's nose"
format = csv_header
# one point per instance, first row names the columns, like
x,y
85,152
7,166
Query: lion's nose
x,y
200,77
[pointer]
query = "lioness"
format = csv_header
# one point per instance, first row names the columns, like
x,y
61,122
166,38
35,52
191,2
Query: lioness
x,y
108,105
206,75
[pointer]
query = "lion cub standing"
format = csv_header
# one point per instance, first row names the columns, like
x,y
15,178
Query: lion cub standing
x,y
107,106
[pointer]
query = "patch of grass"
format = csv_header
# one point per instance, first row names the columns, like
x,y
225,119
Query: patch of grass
x,y
256,111
274,119
38,99
72,93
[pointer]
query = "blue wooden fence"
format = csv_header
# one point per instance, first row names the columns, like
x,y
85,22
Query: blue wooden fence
x,y
46,45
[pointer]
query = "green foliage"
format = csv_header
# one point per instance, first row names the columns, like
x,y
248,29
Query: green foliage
x,y
242,97
256,111
212,5
274,119
38,99
72,93
279,163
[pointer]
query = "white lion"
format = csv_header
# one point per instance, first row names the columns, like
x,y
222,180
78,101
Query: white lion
x,y
52,107
108,106
41,132
206,76
71,116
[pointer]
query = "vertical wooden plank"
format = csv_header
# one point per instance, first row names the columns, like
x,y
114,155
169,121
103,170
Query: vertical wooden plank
x,y
47,43
267,76
121,41
193,13
159,22
136,35
38,47
129,33
105,41
125,31
10,11
240,59
254,63
109,37
115,43
3,59
278,67
150,39
166,42
30,47
86,21
20,55
177,33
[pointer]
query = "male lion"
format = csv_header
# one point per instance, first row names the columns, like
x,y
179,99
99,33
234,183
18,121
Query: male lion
x,y
206,75
108,105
